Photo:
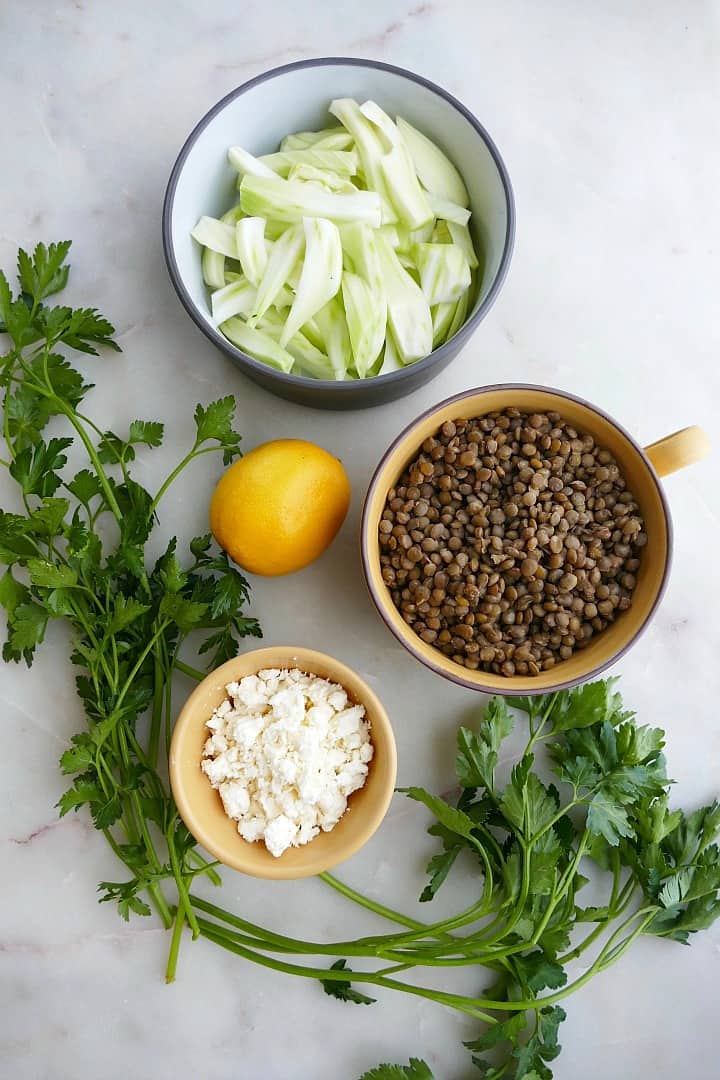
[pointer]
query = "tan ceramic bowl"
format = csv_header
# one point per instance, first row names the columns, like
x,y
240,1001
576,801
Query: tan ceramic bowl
x,y
201,808
641,468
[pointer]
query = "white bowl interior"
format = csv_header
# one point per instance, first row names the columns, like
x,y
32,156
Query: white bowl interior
x,y
297,100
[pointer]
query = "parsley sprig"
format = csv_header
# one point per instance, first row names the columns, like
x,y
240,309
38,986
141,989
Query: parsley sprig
x,y
536,845
129,620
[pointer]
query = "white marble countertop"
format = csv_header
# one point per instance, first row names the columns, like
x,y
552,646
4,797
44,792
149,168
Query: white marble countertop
x,y
607,117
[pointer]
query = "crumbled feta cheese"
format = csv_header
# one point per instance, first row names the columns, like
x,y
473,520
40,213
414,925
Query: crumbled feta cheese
x,y
280,833
235,798
285,752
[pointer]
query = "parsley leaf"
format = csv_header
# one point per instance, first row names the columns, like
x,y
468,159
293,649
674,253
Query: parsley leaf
x,y
148,432
438,868
591,703
417,1069
85,485
214,422
12,593
186,614
86,328
26,630
44,274
454,820
51,575
608,818
80,756
539,973
343,991
83,792
125,611
477,753
125,894
36,467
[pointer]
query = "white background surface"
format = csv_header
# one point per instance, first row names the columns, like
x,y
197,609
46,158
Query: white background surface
x,y
607,117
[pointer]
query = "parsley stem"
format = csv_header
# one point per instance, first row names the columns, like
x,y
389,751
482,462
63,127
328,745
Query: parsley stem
x,y
172,959
206,867
535,733
80,615
439,930
519,907
281,942
93,455
159,676
454,1001
168,695
371,905
8,375
616,879
139,663
192,672
180,883
394,969
194,453
554,819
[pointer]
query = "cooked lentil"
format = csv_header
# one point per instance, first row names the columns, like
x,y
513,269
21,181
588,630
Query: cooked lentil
x,y
510,541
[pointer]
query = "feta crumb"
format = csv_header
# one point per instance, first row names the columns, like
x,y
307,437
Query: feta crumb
x,y
285,752
235,798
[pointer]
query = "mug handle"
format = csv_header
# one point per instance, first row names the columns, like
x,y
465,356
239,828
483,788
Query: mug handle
x,y
675,451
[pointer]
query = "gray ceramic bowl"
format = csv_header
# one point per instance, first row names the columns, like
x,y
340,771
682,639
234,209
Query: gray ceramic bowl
x,y
295,97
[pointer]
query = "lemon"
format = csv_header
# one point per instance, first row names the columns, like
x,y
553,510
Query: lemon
x,y
279,507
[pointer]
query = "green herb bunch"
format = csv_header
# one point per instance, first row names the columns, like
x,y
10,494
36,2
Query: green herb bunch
x,y
529,840
659,870
128,621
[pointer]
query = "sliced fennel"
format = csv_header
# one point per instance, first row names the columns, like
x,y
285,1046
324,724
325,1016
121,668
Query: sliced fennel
x,y
366,314
348,253
291,200
252,252
310,359
401,183
448,211
460,235
329,180
258,344
274,229
408,237
444,272
436,171
408,312
213,268
442,317
288,249
245,163
237,298
217,236
391,360
370,149
321,274
441,233
240,298
333,326
313,333
233,215
460,315
359,242
336,138
344,162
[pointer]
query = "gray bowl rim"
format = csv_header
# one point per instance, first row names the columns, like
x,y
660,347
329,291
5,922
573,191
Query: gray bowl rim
x,y
406,640
346,386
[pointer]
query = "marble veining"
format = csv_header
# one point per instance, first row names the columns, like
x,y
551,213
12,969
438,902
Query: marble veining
x,y
607,117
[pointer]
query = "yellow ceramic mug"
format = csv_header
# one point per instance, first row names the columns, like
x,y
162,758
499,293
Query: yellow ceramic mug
x,y
641,469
